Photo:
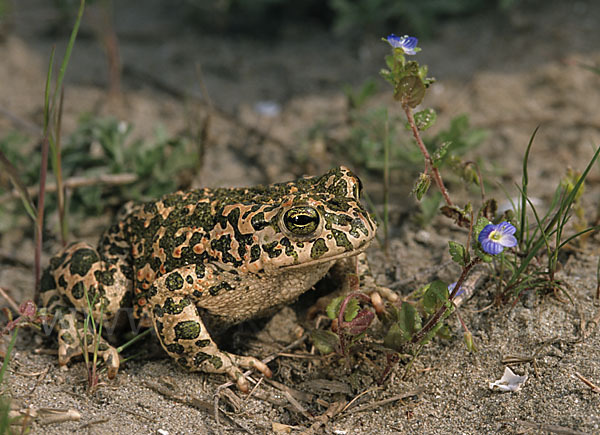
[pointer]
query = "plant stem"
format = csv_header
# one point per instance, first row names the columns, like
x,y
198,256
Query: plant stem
x,y
386,184
428,160
40,218
7,354
442,310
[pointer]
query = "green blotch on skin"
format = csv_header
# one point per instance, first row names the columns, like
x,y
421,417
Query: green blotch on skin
x,y
254,253
202,343
200,357
289,248
318,249
342,240
215,289
200,270
175,348
170,307
78,290
48,282
216,362
174,281
259,222
271,250
82,260
187,330
67,338
356,226
105,277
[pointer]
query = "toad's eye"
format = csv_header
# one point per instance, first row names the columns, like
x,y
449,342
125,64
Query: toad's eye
x,y
301,221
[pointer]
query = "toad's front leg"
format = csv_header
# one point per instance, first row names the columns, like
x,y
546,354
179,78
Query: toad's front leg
x,y
183,334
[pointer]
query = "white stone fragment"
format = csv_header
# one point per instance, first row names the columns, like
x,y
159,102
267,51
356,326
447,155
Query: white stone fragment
x,y
508,382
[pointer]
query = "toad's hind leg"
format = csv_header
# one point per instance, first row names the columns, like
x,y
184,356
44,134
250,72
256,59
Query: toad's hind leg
x,y
182,332
79,281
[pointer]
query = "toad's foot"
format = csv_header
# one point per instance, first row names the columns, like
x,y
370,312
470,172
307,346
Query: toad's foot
x,y
226,363
71,344
185,338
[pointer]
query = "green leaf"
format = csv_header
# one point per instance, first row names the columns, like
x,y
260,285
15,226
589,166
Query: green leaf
x,y
484,256
409,321
410,90
395,337
325,341
435,296
425,119
440,153
480,225
333,308
352,308
458,253
421,186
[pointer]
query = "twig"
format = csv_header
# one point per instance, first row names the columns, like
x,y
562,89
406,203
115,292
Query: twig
x,y
552,428
10,300
589,327
358,396
248,372
593,387
75,182
379,403
334,409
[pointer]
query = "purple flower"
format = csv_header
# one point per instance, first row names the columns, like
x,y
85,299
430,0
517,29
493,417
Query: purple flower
x,y
408,44
494,238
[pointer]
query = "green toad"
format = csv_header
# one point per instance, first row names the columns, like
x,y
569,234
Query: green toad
x,y
202,260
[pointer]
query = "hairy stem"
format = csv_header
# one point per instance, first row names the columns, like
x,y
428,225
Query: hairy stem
x,y
442,310
428,160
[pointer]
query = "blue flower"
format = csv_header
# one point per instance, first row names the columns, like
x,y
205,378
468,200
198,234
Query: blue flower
x,y
494,238
458,293
408,44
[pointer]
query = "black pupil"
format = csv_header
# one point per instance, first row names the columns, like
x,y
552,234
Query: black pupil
x,y
302,219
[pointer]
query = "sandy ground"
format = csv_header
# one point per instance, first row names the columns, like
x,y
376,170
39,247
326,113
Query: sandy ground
x,y
509,72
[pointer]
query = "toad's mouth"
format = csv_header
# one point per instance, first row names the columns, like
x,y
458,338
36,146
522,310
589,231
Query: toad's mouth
x,y
329,259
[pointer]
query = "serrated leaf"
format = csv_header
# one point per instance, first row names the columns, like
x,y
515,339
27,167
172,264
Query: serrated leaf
x,y
325,341
460,217
435,296
360,322
440,153
395,337
410,90
422,186
480,225
458,253
490,208
351,311
409,320
484,256
425,119
333,308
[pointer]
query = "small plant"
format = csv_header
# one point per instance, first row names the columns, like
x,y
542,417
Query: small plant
x,y
507,242
350,323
